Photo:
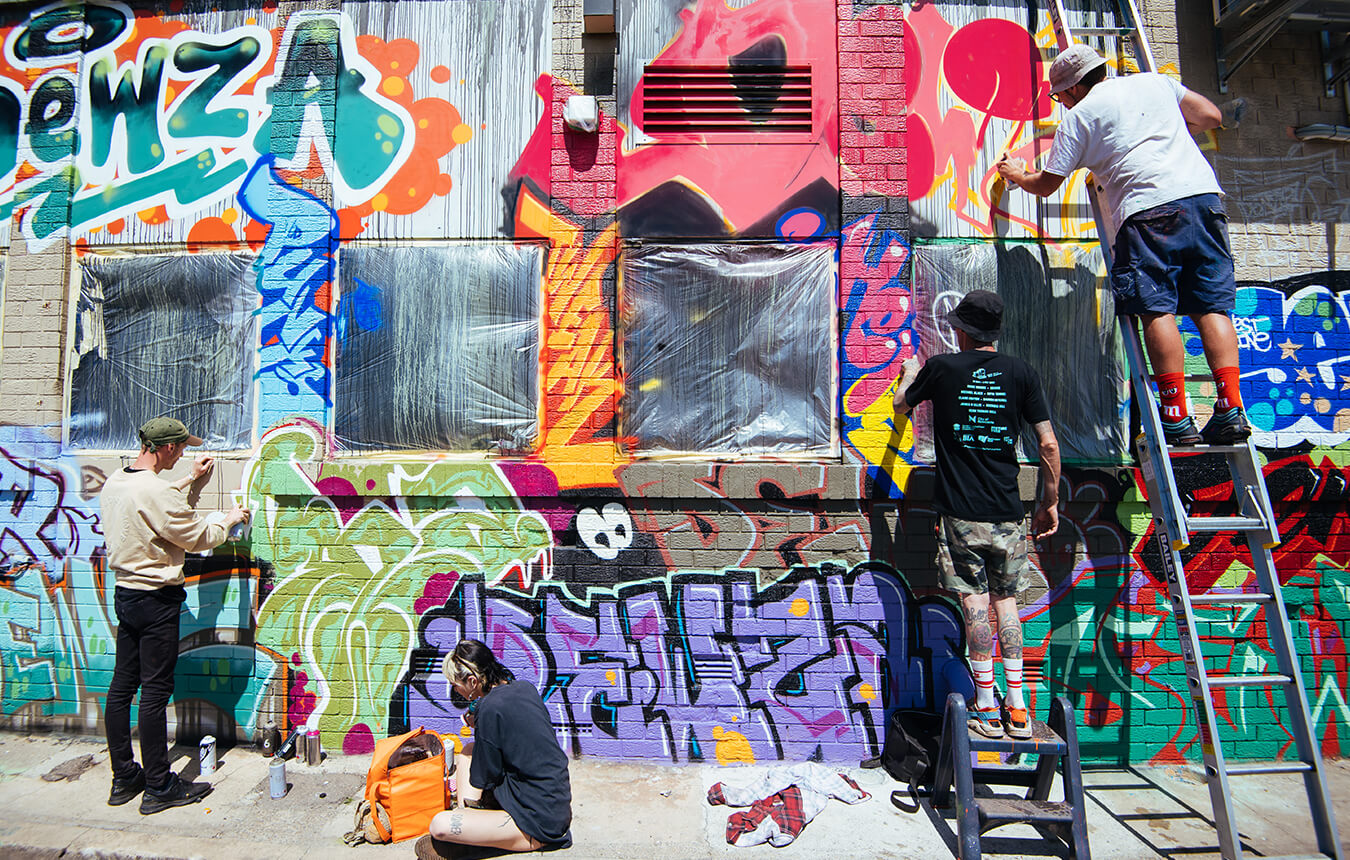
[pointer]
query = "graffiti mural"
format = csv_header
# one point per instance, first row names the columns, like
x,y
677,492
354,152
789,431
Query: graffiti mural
x,y
675,608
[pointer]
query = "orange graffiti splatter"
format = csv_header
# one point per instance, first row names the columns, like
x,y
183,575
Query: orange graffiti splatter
x,y
117,226
255,233
440,74
351,222
146,26
154,215
210,234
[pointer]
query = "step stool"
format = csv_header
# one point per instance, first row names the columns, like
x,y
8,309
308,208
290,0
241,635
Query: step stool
x,y
1056,744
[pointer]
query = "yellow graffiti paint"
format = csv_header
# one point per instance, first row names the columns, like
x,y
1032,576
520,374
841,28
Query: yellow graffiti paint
x,y
611,677
578,347
800,607
461,134
867,692
732,747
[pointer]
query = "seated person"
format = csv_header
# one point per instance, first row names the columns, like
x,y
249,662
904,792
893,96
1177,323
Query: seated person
x,y
514,756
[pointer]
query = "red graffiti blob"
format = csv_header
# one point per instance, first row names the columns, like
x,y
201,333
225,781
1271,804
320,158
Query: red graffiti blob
x,y
995,66
919,151
437,590
359,740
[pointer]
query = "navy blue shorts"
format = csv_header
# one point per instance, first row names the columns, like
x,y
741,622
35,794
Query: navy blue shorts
x,y
1175,259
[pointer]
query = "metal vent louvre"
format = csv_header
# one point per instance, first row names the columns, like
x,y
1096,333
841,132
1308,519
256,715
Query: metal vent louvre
x,y
736,99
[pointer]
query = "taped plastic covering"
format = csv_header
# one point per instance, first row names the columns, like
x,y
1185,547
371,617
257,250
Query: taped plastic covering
x,y
164,335
438,347
728,348
1058,316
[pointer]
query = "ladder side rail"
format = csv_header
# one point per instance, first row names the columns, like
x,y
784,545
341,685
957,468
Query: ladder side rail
x,y
1202,701
1280,635
1143,53
1244,466
1159,477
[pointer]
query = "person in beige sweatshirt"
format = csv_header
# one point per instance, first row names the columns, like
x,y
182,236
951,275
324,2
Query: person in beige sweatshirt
x,y
148,525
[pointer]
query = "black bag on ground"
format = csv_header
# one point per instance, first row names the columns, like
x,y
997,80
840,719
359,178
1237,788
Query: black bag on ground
x,y
911,752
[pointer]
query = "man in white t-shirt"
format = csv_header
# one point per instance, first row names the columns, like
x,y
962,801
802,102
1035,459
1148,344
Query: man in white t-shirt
x,y
1165,220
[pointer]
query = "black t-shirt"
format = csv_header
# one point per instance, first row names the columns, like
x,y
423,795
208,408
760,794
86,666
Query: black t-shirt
x,y
981,401
516,754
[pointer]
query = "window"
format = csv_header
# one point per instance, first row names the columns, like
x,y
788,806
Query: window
x,y
438,347
164,335
729,348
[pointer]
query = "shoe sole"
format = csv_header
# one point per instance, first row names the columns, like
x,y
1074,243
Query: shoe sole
x,y
986,729
1018,734
161,805
123,801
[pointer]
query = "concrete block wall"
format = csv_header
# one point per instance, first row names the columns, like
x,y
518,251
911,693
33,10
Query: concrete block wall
x,y
730,609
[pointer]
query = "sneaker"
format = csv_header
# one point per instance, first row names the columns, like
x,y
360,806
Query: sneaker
x,y
1016,723
1229,427
985,721
431,848
1181,432
177,793
125,789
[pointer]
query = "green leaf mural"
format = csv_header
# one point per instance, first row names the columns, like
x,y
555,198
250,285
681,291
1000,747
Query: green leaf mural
x,y
354,545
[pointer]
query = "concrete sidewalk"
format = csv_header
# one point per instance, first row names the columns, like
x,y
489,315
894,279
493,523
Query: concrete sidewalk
x,y
620,811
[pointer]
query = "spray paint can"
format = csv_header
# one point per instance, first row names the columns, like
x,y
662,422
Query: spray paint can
x,y
313,750
270,739
276,777
206,755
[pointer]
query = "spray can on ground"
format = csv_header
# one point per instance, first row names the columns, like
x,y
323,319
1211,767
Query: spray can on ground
x,y
270,739
206,755
313,750
288,747
276,777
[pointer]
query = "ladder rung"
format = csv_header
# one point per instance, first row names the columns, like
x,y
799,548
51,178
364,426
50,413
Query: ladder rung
x,y
1224,524
1124,32
1249,680
1192,450
1271,767
1243,597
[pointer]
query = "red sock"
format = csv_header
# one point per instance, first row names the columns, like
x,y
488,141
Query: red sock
x,y
1230,395
1172,393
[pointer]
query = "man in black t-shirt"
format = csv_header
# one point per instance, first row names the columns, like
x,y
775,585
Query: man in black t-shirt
x,y
981,401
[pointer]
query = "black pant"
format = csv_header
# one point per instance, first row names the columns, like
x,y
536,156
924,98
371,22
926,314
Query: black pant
x,y
147,652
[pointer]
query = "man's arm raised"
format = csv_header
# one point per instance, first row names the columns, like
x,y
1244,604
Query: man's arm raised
x,y
1042,183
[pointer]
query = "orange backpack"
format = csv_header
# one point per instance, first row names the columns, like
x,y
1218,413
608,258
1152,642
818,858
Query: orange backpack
x,y
407,784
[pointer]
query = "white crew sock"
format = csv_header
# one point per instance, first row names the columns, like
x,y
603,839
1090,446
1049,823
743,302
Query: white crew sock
x,y
984,683
1012,679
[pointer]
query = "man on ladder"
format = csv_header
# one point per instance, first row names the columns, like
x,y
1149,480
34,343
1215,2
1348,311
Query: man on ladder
x,y
1171,251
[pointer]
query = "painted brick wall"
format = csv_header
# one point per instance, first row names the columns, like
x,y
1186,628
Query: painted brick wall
x,y
669,609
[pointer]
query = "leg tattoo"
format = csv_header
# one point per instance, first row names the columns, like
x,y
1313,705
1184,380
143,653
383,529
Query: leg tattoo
x,y
1010,640
456,824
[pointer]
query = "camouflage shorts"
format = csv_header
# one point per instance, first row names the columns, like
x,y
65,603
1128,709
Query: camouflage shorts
x,y
977,557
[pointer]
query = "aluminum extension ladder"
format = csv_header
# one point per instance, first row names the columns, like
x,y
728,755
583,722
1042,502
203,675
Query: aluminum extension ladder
x,y
1173,527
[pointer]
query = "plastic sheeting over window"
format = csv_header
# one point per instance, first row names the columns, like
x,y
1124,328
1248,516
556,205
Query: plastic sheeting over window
x,y
164,335
438,347
1058,316
728,348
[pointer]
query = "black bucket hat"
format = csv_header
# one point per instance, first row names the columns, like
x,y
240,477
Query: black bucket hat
x,y
980,315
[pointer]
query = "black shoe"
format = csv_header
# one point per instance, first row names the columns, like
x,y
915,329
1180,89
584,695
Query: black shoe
x,y
178,793
125,789
1227,428
1181,432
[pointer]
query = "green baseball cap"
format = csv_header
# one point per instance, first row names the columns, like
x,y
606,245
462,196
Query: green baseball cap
x,y
166,431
